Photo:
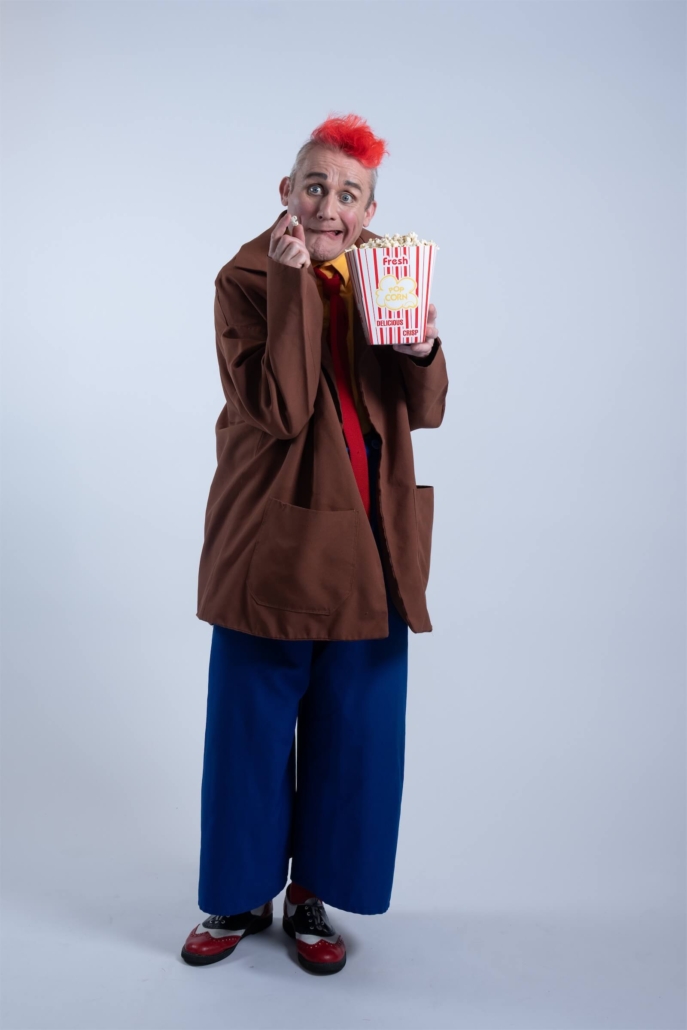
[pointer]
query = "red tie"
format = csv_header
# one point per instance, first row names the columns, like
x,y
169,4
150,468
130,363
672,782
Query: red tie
x,y
338,333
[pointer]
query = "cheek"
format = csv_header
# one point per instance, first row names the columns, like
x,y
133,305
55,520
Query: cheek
x,y
303,207
351,221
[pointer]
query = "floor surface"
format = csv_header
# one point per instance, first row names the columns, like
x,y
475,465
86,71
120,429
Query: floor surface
x,y
83,957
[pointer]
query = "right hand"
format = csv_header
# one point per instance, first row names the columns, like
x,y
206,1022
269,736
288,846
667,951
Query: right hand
x,y
289,249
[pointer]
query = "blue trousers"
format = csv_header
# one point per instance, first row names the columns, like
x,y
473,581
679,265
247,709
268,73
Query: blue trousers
x,y
304,759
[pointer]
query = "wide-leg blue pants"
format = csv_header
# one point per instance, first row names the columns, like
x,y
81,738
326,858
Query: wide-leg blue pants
x,y
304,759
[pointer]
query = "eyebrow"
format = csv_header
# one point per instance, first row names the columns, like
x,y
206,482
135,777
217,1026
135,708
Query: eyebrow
x,y
323,175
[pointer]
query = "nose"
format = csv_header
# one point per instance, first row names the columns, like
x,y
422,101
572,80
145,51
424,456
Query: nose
x,y
327,208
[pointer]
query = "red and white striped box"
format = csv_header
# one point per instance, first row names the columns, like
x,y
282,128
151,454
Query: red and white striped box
x,y
392,286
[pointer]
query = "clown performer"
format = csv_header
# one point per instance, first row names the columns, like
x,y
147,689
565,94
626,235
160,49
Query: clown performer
x,y
314,564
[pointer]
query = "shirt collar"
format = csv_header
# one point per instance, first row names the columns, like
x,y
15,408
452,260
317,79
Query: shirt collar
x,y
339,263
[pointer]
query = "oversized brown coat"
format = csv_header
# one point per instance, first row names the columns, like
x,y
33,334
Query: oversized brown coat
x,y
288,550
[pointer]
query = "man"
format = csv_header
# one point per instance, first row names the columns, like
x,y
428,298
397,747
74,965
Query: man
x,y
314,565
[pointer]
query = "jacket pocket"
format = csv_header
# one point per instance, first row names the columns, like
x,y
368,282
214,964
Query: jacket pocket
x,y
424,517
303,560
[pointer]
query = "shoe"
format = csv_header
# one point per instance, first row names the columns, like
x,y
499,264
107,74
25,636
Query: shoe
x,y
217,936
320,949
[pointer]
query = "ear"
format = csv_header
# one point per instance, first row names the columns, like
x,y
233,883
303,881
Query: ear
x,y
369,214
285,189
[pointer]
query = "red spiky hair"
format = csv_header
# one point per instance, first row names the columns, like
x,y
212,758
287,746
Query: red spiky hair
x,y
351,134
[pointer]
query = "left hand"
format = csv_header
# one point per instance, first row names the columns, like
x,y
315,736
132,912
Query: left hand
x,y
421,350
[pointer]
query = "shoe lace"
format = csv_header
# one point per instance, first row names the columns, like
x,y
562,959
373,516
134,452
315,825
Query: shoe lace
x,y
317,917
216,921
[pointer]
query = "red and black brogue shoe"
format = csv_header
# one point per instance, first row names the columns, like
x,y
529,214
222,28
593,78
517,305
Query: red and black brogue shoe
x,y
320,949
217,936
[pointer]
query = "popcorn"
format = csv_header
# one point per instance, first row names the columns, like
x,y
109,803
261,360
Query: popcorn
x,y
294,219
392,276
409,240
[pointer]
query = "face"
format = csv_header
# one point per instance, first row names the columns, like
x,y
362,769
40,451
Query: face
x,y
329,196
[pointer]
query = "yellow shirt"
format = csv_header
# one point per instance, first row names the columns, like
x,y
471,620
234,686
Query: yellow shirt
x,y
341,266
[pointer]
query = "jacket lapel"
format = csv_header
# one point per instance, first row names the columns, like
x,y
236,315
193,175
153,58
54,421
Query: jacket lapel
x,y
253,257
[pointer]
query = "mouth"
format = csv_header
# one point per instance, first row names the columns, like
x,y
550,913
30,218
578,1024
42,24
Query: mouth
x,y
332,234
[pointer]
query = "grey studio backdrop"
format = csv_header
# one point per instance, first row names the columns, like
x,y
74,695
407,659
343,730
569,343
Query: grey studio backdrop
x,y
541,865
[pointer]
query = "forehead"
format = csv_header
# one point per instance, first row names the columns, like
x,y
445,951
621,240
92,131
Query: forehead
x,y
336,166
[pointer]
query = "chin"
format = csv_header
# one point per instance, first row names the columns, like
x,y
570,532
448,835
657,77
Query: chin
x,y
330,249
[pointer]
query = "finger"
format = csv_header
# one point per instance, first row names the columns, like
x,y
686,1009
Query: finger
x,y
288,249
418,350
281,226
285,251
294,246
298,232
285,242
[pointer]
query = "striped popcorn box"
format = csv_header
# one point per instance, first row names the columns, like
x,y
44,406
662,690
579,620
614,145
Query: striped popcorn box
x,y
392,286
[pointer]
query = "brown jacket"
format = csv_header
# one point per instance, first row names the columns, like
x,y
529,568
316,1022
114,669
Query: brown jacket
x,y
288,551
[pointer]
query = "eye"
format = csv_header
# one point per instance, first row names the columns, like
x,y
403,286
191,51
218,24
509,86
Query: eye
x,y
349,195
314,186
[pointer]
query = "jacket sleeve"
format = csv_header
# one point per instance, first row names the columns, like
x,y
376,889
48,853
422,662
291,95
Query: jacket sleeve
x,y
426,384
270,372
